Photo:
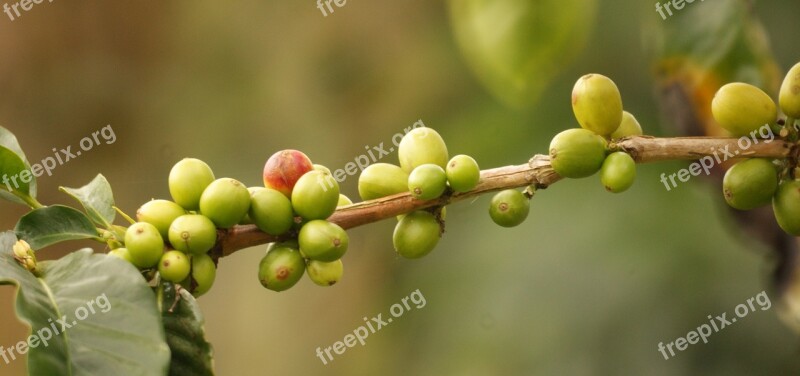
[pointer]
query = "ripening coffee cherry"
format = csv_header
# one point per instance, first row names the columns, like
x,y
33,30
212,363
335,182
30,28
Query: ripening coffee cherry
x,y
271,211
789,98
315,195
344,201
174,266
284,168
381,180
427,182
204,272
416,235
750,183
420,146
325,273
597,104
193,233
122,253
786,205
160,213
323,241
144,244
618,172
628,127
463,173
509,208
281,268
743,108
577,153
225,202
187,181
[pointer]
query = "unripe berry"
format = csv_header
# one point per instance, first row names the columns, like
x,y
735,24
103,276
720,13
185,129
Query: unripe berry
x,y
420,146
325,273
416,235
160,213
597,104
271,211
577,153
322,168
789,98
187,181
743,108
322,240
344,201
284,168
786,205
618,172
204,272
463,173
427,182
193,233
750,183
225,202
315,195
174,266
144,244
628,127
122,253
381,180
509,208
281,268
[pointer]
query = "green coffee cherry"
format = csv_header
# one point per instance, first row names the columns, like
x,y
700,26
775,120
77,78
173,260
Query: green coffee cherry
x,y
322,168
509,208
421,146
271,211
381,180
743,108
281,268
315,195
427,182
628,127
174,266
225,202
618,172
122,253
463,173
416,235
577,153
160,213
204,272
144,244
750,183
786,205
246,220
597,104
192,233
325,273
789,98
187,181
344,201
323,241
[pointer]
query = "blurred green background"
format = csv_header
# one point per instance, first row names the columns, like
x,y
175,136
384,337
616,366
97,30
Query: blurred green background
x,y
589,285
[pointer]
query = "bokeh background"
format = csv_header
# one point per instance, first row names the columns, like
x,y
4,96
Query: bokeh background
x,y
589,285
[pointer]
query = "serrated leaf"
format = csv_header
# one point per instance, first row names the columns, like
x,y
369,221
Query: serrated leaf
x,y
12,163
118,333
53,224
192,355
97,199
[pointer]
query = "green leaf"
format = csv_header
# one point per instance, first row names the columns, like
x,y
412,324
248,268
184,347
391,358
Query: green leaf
x,y
12,163
53,224
97,199
192,355
115,326
516,47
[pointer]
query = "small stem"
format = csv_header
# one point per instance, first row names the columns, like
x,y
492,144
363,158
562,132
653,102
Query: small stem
x,y
30,201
